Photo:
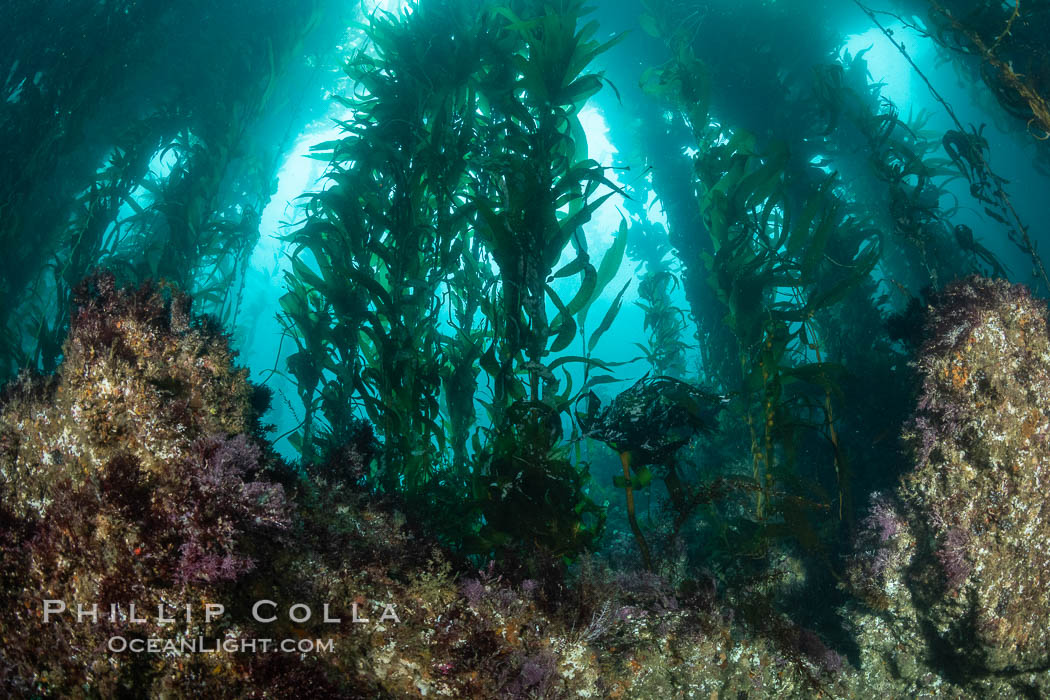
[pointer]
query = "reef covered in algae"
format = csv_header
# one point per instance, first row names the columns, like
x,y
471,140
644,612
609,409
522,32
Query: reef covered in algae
x,y
138,474
953,564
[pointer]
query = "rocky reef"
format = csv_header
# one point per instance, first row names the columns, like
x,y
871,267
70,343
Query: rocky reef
x,y
953,566
139,474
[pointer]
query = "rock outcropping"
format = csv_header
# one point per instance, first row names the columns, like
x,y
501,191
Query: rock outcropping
x,y
138,474
957,561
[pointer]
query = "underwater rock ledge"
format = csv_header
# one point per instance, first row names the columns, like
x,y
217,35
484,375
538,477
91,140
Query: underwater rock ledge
x,y
138,474
956,562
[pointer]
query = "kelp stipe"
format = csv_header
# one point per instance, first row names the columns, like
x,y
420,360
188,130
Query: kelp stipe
x,y
148,160
966,146
381,241
647,425
463,149
1009,43
789,252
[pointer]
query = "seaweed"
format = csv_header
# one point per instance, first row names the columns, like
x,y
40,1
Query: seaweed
x,y
1008,42
452,168
135,155
791,252
380,244
968,150
536,166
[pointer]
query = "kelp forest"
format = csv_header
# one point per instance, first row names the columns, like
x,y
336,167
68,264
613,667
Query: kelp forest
x,y
656,349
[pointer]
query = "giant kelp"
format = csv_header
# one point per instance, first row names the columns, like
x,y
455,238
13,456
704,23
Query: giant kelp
x,y
381,242
135,154
967,147
461,150
462,181
1003,43
789,249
